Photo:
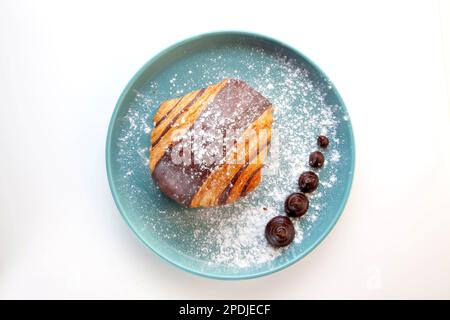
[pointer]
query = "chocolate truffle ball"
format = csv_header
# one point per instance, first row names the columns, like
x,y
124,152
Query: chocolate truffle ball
x,y
280,231
308,181
316,159
296,205
322,141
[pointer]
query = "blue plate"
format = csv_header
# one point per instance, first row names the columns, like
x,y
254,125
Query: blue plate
x,y
228,242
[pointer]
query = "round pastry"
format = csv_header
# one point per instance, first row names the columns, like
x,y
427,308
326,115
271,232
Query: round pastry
x,y
208,147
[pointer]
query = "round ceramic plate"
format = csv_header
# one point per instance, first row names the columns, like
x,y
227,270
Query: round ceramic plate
x,y
228,242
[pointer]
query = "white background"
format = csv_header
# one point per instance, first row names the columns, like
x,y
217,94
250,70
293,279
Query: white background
x,y
63,66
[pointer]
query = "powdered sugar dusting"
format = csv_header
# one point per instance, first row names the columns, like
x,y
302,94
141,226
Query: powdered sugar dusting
x,y
233,235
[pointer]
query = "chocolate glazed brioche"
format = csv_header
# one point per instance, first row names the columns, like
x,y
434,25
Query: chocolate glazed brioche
x,y
208,147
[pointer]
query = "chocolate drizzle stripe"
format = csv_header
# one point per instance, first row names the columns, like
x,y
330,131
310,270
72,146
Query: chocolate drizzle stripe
x,y
247,183
168,112
226,192
183,110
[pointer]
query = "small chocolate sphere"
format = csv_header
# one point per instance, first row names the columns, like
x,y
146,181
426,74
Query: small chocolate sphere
x,y
280,231
296,205
316,159
308,181
322,141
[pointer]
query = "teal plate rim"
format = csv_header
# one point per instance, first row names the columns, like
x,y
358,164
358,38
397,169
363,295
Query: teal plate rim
x,y
113,187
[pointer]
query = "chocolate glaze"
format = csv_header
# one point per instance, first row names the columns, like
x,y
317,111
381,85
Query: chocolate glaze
x,y
234,108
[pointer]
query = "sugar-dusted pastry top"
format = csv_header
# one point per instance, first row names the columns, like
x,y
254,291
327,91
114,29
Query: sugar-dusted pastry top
x,y
208,147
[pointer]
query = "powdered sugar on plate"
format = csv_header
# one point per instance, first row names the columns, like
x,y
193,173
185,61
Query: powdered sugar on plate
x,y
233,235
